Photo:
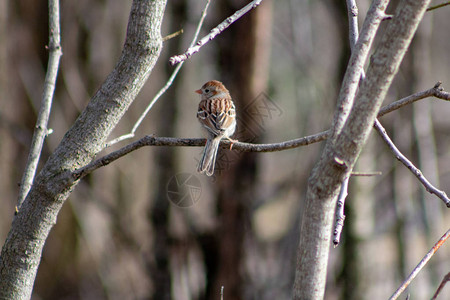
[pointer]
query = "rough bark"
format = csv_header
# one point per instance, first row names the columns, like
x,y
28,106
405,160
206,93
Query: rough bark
x,y
341,152
22,250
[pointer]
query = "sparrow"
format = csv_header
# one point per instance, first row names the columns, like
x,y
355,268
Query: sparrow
x,y
217,113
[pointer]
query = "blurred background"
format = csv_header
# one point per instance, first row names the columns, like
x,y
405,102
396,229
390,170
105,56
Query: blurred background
x,y
149,227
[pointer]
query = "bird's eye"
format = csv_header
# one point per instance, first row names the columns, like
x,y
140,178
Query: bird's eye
x,y
206,90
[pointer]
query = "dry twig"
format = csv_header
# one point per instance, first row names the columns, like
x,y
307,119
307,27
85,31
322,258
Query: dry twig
x,y
214,32
340,216
436,91
438,6
41,130
441,286
421,264
428,186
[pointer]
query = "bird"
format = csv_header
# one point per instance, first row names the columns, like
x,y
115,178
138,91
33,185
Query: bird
x,y
217,114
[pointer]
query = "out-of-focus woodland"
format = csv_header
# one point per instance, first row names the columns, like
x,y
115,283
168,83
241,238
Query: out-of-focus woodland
x,y
120,237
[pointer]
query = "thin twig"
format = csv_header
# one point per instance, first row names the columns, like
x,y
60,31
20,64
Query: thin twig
x,y
214,32
340,216
441,286
438,6
161,92
41,130
172,35
428,186
436,91
352,14
366,174
421,264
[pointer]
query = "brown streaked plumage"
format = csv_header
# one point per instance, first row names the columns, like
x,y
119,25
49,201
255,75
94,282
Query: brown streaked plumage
x,y
216,112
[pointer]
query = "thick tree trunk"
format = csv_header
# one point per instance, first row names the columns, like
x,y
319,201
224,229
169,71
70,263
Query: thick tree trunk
x,y
22,251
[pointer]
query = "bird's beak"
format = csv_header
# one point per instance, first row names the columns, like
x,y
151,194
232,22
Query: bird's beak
x,y
198,91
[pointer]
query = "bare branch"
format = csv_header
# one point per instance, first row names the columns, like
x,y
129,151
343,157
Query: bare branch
x,y
428,186
438,6
172,35
360,52
340,217
441,286
352,13
161,92
214,32
436,91
41,130
421,264
366,174
151,140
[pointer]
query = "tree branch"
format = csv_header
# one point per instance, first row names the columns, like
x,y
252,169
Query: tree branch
x,y
438,6
41,131
436,91
441,286
421,264
340,216
360,52
214,32
352,13
428,186
151,140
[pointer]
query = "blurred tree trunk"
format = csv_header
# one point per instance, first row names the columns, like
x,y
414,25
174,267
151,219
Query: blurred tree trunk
x,y
429,208
8,113
244,61
166,163
18,81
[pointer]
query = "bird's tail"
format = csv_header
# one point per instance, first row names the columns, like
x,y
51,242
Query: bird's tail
x,y
208,160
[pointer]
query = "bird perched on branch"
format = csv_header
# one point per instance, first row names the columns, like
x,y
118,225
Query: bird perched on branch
x,y
216,112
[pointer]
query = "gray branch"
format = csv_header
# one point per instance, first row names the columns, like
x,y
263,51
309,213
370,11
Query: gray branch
x,y
428,186
421,264
214,32
360,53
41,131
352,13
